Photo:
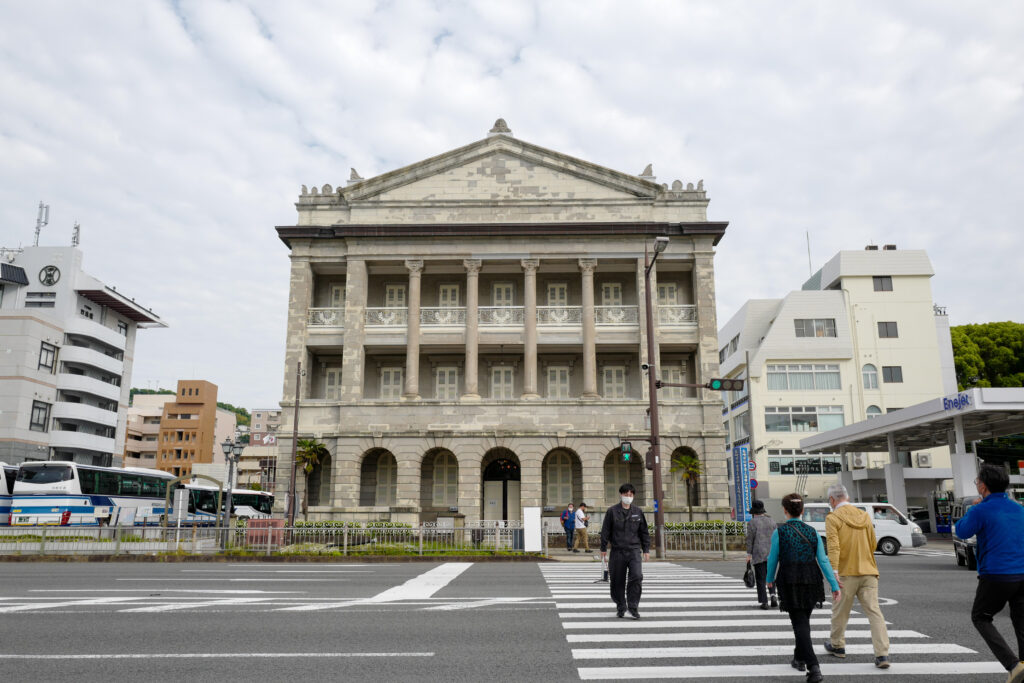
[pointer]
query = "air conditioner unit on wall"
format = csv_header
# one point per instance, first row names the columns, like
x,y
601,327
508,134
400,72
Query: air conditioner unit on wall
x,y
860,461
924,459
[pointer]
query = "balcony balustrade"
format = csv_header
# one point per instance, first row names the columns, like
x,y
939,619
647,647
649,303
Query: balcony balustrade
x,y
326,317
677,315
559,315
496,316
443,316
394,316
615,315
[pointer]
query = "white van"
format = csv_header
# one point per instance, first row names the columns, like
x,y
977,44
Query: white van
x,y
892,528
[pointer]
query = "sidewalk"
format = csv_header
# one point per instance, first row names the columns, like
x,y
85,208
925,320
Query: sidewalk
x,y
561,555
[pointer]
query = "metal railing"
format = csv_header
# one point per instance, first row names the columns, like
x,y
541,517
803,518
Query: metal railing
x,y
615,315
393,316
500,315
559,315
326,317
441,315
426,539
677,315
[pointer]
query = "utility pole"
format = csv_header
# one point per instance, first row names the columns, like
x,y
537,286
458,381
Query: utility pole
x,y
295,445
652,384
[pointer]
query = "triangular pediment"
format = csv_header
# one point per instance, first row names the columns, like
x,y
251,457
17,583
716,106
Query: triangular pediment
x,y
501,168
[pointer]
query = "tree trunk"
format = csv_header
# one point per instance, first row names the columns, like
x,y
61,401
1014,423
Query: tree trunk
x,y
305,499
689,500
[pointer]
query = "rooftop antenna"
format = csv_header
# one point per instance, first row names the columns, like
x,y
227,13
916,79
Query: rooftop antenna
x,y
76,233
810,268
41,220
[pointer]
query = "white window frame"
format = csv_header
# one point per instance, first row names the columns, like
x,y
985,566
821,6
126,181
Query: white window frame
x,y
611,294
497,287
332,385
387,486
396,386
615,473
557,389
869,377
806,328
500,389
668,293
558,293
446,390
454,294
558,474
613,388
396,295
446,481
673,373
337,296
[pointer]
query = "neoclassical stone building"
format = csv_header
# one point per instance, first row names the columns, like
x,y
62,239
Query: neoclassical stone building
x,y
471,329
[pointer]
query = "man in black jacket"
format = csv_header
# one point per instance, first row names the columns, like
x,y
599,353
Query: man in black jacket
x,y
625,527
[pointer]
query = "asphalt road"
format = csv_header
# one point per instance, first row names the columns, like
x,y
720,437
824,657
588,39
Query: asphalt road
x,y
446,622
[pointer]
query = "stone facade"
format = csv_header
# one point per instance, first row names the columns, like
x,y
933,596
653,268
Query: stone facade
x,y
471,330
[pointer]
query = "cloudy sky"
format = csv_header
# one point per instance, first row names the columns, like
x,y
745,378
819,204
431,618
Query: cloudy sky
x,y
179,133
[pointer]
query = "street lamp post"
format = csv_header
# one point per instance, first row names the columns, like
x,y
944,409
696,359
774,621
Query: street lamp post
x,y
232,452
660,243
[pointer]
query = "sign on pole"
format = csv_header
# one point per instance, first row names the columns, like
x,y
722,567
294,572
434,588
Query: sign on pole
x,y
741,482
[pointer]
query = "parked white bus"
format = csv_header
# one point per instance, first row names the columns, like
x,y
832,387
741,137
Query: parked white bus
x,y
8,473
70,494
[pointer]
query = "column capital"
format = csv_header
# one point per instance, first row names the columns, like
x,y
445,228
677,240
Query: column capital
x,y
587,265
415,266
530,265
472,265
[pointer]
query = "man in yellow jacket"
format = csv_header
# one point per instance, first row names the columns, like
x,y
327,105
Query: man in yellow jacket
x,y
851,550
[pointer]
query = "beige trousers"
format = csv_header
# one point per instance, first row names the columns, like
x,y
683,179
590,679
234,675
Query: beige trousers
x,y
581,539
865,589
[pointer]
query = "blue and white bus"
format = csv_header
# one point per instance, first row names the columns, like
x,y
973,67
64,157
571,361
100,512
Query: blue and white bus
x,y
8,473
70,494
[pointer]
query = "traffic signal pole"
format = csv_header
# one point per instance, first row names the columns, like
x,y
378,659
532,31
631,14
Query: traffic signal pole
x,y
652,382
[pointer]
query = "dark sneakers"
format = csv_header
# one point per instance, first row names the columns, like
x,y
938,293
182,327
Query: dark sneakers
x,y
814,674
620,613
775,603
798,665
634,613
835,651
882,662
764,605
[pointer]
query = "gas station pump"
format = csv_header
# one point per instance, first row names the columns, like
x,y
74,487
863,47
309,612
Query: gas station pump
x,y
939,508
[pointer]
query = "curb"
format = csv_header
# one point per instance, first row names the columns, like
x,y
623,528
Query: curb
x,y
273,559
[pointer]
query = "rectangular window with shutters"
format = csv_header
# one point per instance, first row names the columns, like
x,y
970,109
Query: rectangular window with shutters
x,y
668,294
611,294
337,296
882,283
446,383
558,294
502,293
448,296
614,381
446,481
815,327
673,374
501,383
332,385
395,296
888,330
558,381
892,374
391,382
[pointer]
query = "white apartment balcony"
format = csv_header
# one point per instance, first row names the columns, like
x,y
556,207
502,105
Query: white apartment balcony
x,y
87,385
92,329
80,441
677,315
84,413
92,358
560,315
392,316
500,316
326,317
616,315
443,316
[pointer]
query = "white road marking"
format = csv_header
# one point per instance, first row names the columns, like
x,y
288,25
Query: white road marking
x,y
652,612
282,571
758,651
171,579
187,605
71,603
218,655
472,605
786,635
696,623
763,671
224,591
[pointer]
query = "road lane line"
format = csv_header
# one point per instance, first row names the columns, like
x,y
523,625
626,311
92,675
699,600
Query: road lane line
x,y
763,671
70,603
695,623
785,634
195,605
217,655
758,651
651,612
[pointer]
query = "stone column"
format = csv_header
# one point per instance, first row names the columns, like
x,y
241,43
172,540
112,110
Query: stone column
x,y
589,333
704,294
472,329
412,344
530,328
300,299
353,355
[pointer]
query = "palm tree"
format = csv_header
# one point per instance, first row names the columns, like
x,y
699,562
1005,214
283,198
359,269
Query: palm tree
x,y
307,455
689,466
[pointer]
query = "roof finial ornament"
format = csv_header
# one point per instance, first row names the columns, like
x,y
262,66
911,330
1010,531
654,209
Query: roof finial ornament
x,y
354,177
648,172
500,128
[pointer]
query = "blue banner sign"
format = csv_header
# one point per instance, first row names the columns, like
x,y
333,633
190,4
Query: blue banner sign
x,y
741,482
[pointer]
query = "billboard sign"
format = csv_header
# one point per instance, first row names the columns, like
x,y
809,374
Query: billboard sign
x,y
741,482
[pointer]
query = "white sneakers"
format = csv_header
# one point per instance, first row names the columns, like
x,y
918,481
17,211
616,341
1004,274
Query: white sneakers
x,y
1017,674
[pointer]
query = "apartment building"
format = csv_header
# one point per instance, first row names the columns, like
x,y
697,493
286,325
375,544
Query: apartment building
x,y
862,337
471,330
192,429
143,429
68,345
263,426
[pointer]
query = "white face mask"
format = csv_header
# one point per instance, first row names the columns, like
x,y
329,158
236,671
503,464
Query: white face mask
x,y
627,500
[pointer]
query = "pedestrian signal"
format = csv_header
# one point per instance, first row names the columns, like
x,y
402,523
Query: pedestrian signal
x,y
719,384
626,448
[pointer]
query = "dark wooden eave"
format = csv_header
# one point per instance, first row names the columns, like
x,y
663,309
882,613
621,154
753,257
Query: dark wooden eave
x,y
558,229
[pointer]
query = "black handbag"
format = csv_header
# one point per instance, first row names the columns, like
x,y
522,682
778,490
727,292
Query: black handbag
x,y
748,577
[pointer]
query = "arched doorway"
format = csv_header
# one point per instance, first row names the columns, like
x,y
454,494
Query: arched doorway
x,y
378,479
617,473
320,482
439,480
501,479
684,483
562,481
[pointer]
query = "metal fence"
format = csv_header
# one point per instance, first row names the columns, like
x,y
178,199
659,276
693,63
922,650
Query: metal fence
x,y
300,540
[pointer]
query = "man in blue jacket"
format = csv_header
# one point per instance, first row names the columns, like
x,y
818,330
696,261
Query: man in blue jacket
x,y
998,522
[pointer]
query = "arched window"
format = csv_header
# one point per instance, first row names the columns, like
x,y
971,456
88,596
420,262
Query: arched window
x,y
559,476
615,473
873,411
870,374
387,480
446,480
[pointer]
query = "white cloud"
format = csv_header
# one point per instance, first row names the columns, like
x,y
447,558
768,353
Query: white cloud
x,y
179,134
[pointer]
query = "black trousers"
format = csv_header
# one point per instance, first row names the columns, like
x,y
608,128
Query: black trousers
x,y
626,591
989,600
568,537
804,650
760,576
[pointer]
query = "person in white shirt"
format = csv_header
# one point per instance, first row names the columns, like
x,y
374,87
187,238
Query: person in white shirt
x,y
581,529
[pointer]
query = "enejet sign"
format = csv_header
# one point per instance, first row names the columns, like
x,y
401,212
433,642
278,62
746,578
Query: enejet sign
x,y
958,402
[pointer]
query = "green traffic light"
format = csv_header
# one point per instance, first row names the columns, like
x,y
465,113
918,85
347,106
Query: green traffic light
x,y
716,384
